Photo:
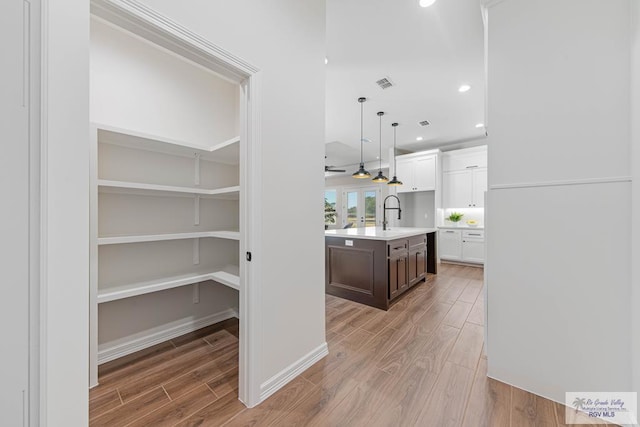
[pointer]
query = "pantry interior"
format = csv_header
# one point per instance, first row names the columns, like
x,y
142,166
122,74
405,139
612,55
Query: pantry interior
x,y
166,195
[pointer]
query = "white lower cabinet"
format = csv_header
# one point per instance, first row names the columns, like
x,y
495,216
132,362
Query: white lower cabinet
x,y
473,246
462,245
450,245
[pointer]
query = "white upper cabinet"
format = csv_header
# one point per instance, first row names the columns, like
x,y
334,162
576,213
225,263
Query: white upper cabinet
x,y
417,173
464,159
465,178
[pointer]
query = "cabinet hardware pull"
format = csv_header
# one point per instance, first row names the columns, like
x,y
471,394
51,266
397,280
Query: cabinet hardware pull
x,y
471,167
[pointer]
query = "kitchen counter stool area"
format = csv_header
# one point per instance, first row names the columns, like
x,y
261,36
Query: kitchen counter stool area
x,y
375,267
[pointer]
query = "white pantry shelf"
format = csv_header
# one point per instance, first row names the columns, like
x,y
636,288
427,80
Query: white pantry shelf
x,y
116,240
225,152
141,188
227,276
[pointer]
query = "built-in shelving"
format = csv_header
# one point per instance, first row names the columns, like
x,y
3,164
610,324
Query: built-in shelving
x,y
225,152
117,240
141,188
227,276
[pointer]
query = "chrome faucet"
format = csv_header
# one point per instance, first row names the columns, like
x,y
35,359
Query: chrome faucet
x,y
384,211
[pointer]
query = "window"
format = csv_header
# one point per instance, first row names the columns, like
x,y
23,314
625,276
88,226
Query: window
x,y
330,214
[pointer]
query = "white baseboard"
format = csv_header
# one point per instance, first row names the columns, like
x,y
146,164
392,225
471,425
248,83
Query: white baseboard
x,y
158,335
283,377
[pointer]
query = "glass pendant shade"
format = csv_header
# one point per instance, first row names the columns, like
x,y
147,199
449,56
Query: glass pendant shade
x,y
361,172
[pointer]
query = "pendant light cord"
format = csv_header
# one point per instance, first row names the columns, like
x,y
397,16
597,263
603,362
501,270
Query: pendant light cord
x,y
394,152
380,142
361,133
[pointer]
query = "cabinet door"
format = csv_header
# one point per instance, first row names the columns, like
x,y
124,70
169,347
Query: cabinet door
x,y
473,250
458,189
417,265
404,172
450,245
421,264
425,174
393,277
403,270
479,186
412,268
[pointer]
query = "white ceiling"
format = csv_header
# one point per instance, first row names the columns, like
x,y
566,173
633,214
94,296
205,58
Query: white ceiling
x,y
426,52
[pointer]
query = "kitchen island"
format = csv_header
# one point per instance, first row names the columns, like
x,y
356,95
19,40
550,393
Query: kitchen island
x,y
374,266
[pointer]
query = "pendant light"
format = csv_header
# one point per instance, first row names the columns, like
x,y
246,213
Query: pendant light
x,y
395,180
361,172
380,178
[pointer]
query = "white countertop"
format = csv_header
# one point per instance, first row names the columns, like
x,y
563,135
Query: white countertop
x,y
376,233
463,227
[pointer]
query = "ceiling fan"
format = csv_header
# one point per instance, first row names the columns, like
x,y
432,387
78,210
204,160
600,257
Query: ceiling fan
x,y
331,168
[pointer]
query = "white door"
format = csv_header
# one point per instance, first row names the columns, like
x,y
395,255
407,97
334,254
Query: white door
x,y
14,216
361,207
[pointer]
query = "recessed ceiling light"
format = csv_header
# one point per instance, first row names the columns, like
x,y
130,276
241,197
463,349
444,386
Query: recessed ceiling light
x,y
426,3
464,88
419,138
480,125
326,61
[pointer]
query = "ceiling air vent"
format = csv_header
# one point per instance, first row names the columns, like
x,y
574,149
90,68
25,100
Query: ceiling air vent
x,y
424,123
384,83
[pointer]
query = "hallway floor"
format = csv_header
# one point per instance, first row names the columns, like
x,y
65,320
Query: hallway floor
x,y
419,364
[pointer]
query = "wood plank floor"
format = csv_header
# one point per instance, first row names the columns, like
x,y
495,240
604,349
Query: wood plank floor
x,y
419,364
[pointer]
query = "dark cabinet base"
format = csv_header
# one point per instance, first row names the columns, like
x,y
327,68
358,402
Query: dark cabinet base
x,y
376,272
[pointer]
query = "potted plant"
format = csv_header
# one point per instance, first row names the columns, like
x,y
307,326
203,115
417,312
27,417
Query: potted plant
x,y
454,217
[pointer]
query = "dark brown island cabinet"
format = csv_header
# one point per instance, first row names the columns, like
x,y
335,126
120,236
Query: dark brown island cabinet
x,y
376,270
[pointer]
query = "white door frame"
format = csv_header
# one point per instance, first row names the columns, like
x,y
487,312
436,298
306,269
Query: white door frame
x,y
147,23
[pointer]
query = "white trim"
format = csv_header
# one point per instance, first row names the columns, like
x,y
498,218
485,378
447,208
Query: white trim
x,y
283,377
250,298
44,219
145,22
586,181
139,19
160,335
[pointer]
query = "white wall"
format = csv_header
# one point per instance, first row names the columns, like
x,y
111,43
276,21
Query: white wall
x,y
635,207
558,256
139,86
285,39
65,214
418,209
